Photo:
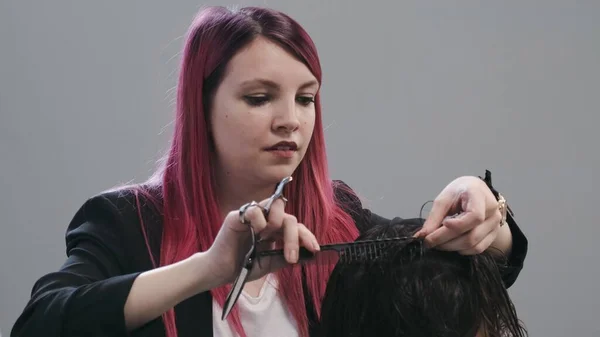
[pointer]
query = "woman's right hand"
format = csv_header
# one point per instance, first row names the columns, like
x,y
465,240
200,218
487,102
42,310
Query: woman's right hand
x,y
234,240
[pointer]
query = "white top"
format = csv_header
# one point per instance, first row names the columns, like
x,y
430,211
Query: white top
x,y
262,316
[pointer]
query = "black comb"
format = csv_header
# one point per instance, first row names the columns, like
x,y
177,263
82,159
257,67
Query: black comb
x,y
350,252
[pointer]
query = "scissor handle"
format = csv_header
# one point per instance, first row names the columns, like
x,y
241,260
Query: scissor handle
x,y
249,258
277,194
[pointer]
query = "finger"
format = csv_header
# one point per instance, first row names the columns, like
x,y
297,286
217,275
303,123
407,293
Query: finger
x,y
272,263
472,238
290,238
273,219
440,236
439,210
275,216
482,246
256,218
307,238
453,227
465,221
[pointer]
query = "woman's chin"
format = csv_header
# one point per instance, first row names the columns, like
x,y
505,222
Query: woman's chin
x,y
276,174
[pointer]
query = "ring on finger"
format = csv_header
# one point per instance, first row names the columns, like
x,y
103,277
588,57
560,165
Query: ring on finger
x,y
270,202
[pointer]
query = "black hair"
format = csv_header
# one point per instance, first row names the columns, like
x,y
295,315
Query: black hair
x,y
415,291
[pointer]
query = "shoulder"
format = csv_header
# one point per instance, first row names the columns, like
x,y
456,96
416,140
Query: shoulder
x,y
350,202
345,196
113,221
118,205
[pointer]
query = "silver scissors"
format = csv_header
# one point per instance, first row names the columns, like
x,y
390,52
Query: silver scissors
x,y
250,257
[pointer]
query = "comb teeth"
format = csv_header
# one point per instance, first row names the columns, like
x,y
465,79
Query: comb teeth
x,y
372,250
363,252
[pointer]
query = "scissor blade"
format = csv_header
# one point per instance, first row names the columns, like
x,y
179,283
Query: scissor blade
x,y
235,292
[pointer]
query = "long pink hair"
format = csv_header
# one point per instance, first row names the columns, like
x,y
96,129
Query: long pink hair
x,y
191,214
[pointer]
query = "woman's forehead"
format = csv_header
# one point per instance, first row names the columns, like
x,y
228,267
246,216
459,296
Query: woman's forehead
x,y
266,61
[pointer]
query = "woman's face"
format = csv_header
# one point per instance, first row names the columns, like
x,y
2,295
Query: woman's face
x,y
266,97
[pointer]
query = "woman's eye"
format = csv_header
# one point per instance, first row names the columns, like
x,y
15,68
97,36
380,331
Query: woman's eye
x,y
256,100
306,100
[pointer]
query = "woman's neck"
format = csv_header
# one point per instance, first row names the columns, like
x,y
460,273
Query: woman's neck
x,y
234,192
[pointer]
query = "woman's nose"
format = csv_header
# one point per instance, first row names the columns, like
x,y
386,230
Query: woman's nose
x,y
286,117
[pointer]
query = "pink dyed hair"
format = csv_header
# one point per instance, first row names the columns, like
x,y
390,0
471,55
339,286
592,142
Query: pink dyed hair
x,y
191,213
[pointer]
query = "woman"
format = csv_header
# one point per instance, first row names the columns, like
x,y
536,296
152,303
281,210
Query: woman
x,y
248,114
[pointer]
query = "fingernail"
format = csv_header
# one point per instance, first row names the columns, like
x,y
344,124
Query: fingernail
x,y
421,234
316,245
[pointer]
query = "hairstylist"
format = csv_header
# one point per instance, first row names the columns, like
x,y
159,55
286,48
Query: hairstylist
x,y
156,259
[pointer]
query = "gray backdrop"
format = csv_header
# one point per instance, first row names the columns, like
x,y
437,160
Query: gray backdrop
x,y
415,94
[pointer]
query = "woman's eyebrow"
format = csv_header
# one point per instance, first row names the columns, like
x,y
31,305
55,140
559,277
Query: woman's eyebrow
x,y
274,85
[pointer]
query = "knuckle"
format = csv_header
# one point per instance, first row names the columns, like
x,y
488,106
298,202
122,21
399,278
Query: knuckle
x,y
433,243
248,216
291,218
472,240
292,242
279,202
453,225
478,217
234,215
439,201
254,211
256,219
478,249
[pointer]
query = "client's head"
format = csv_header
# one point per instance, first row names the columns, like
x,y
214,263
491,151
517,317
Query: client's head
x,y
415,291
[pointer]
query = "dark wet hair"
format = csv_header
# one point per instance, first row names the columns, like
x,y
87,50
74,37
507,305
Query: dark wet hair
x,y
414,291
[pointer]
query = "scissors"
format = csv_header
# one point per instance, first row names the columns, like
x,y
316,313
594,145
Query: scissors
x,y
250,257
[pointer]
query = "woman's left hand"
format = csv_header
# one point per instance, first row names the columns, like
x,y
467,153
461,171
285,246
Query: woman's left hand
x,y
465,217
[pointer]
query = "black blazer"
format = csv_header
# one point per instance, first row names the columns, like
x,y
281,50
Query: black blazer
x,y
106,252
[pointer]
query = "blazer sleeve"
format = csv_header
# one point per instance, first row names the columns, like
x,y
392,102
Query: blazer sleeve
x,y
86,296
514,263
365,219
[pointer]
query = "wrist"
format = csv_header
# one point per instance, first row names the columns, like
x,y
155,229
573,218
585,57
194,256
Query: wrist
x,y
205,277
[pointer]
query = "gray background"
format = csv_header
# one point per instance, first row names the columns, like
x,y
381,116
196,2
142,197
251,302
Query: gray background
x,y
421,92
